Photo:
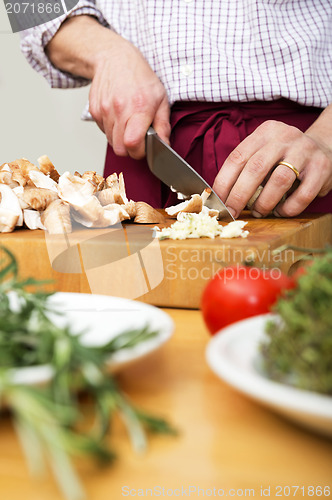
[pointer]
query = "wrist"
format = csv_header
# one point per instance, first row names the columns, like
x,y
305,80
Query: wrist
x,y
113,50
320,139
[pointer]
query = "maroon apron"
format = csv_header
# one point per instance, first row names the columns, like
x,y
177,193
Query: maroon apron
x,y
204,134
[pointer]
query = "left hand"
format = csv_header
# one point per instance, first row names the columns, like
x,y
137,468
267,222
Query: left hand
x,y
254,160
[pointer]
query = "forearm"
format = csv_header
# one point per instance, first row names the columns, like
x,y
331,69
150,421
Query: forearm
x,y
321,130
80,44
126,96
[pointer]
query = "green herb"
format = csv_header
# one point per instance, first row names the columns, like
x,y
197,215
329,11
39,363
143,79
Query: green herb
x,y
298,350
47,418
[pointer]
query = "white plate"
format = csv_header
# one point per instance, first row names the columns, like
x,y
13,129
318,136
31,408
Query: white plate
x,y
102,318
233,354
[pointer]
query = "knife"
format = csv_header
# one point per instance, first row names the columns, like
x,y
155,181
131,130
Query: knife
x,y
176,173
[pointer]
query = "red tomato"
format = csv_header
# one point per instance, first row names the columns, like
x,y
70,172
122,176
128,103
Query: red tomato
x,y
239,292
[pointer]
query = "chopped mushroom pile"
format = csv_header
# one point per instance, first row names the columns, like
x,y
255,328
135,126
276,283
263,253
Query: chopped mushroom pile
x,y
40,198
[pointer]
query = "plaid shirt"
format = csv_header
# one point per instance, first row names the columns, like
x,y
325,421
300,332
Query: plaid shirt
x,y
214,50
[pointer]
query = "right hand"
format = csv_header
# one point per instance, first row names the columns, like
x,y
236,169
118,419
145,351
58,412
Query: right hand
x,y
126,98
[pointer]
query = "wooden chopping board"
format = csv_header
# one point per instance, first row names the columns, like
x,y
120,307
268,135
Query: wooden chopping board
x,y
126,261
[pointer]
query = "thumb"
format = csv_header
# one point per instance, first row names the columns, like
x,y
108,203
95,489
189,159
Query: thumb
x,y
161,122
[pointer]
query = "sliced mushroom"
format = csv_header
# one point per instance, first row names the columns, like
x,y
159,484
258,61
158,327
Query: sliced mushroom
x,y
112,180
56,218
19,191
106,196
5,168
122,188
8,220
78,192
6,176
41,180
32,219
90,213
145,214
119,198
17,174
116,213
210,211
118,187
194,205
206,193
25,167
37,198
95,178
47,168
131,209
74,189
10,211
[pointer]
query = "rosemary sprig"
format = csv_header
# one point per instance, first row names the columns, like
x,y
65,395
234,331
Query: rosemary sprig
x,y
47,418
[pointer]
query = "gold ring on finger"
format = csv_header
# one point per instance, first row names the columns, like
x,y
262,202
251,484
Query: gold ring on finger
x,y
286,164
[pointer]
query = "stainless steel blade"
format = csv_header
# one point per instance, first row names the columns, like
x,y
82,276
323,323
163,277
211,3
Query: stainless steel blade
x,y
176,173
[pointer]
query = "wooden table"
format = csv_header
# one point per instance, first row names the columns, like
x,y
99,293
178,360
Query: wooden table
x,y
227,442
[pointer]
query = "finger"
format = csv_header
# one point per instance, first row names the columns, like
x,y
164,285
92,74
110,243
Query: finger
x,y
135,132
105,122
279,183
117,119
236,161
118,144
308,189
100,108
161,122
108,130
94,109
100,124
252,175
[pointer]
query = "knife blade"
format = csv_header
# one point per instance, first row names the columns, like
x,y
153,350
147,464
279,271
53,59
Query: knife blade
x,y
176,173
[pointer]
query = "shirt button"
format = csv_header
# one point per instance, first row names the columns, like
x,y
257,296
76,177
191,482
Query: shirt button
x,y
187,69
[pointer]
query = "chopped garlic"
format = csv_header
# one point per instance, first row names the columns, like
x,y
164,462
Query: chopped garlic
x,y
234,229
189,225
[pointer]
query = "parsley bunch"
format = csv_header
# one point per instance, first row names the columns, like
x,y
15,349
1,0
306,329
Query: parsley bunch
x,y
299,346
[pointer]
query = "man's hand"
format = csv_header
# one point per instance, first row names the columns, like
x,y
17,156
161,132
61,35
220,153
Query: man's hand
x,y
126,97
253,163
